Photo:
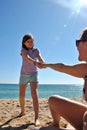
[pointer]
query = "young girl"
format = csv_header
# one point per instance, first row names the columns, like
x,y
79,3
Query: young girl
x,y
29,74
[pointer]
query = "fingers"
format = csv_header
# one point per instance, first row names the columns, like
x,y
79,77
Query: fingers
x,y
40,65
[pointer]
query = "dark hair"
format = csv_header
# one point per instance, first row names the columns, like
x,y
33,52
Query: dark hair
x,y
25,38
83,36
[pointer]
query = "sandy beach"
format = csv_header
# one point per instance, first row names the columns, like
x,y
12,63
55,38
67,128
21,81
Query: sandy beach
x,y
10,109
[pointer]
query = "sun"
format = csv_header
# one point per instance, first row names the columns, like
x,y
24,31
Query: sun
x,y
77,7
84,3
80,5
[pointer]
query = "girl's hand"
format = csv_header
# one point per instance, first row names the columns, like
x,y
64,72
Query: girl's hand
x,y
41,65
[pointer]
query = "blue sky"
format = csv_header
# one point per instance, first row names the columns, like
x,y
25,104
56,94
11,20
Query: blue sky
x,y
55,25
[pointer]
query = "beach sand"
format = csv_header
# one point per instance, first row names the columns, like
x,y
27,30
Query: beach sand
x,y
10,109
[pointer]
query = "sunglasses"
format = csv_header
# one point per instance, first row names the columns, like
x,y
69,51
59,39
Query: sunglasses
x,y
78,41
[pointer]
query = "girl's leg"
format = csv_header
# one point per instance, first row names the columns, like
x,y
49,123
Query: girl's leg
x,y
70,110
22,98
34,94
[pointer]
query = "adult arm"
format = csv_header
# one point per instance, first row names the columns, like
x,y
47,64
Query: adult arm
x,y
78,70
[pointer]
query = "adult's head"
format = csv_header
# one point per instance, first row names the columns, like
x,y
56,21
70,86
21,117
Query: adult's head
x,y
82,46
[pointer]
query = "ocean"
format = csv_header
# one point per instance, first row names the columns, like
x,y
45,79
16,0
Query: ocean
x,y
11,91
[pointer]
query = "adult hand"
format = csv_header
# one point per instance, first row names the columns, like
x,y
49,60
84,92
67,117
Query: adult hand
x,y
41,65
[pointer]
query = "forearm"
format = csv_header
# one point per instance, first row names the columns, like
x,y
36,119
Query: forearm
x,y
40,59
29,59
57,66
75,70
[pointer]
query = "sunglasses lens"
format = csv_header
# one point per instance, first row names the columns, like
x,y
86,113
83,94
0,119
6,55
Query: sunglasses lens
x,y
77,42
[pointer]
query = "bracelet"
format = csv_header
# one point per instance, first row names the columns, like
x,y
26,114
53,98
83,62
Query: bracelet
x,y
35,63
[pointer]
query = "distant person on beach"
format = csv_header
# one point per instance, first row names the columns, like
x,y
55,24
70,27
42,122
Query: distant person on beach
x,y
75,113
29,74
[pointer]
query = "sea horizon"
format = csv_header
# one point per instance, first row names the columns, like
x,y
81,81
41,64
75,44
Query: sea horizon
x,y
49,83
11,91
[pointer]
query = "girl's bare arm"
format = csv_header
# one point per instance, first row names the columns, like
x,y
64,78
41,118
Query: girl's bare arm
x,y
28,58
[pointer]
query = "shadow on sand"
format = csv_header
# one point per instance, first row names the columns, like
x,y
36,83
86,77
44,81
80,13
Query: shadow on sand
x,y
5,126
54,128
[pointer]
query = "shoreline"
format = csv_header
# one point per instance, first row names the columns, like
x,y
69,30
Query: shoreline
x,y
10,109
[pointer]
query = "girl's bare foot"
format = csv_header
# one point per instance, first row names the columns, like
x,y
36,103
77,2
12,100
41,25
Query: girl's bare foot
x,y
37,123
21,114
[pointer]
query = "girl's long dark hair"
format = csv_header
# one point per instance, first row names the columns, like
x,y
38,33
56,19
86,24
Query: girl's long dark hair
x,y
25,38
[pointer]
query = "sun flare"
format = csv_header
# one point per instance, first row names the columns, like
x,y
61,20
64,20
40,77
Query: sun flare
x,y
80,5
76,6
84,3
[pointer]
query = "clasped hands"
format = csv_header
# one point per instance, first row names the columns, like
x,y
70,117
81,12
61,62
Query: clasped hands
x,y
40,65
